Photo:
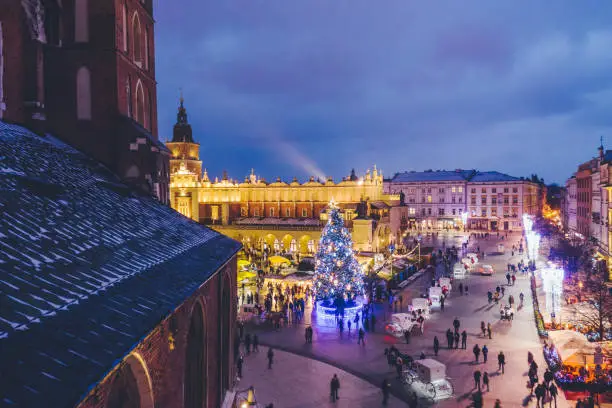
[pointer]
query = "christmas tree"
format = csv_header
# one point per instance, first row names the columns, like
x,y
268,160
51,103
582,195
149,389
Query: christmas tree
x,y
338,276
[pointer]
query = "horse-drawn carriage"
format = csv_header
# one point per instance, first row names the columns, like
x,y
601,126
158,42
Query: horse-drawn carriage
x,y
506,312
428,377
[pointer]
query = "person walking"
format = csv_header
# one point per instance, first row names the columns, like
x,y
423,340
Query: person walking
x,y
361,338
456,324
270,357
436,345
255,343
553,394
460,288
247,343
348,324
407,336
485,353
465,289
477,375
501,361
464,340
356,321
456,340
476,351
483,328
508,277
334,386
485,380
449,338
489,330
513,279
442,303
386,385
239,365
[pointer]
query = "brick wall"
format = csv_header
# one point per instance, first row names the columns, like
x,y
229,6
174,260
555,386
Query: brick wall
x,y
165,359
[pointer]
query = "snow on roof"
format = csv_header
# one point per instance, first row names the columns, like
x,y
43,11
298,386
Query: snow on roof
x,y
426,176
87,268
492,176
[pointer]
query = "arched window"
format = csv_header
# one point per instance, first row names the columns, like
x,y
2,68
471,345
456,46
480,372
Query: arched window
x,y
128,94
83,94
125,27
140,102
195,361
137,40
272,212
146,48
81,21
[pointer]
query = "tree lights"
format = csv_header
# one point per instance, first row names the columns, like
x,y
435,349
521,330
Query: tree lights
x,y
338,276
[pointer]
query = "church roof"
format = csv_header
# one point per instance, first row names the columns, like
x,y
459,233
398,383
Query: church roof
x,y
430,176
87,268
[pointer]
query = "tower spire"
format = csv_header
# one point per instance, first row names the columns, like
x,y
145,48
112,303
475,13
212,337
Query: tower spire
x,y
182,129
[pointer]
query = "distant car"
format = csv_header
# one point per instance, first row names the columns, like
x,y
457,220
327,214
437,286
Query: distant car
x,y
485,270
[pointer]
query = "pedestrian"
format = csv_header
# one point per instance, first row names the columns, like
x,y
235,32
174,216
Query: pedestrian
x,y
485,353
348,324
497,403
489,329
442,303
436,345
270,357
407,336
361,339
456,324
485,380
508,277
334,386
386,385
239,365
461,288
356,321
477,376
247,343
513,279
501,361
529,358
464,339
483,327
456,340
476,351
465,289
503,290
255,344
553,394
449,338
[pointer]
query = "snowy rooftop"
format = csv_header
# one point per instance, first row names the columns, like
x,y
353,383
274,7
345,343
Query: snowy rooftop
x,y
87,268
427,176
492,176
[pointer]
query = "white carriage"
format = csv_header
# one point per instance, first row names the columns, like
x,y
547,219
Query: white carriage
x,y
400,323
421,304
445,283
435,296
428,378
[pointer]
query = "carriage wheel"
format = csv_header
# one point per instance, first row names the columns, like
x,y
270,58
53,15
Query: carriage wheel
x,y
431,390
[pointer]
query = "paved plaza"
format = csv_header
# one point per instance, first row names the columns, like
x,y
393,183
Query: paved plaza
x,y
368,362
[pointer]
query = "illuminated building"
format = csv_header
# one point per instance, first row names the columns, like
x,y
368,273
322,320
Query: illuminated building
x,y
279,215
440,199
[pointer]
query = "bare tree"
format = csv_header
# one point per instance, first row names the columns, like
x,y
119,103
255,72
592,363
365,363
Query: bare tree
x,y
599,315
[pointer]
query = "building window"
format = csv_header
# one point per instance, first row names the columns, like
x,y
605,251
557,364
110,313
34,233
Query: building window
x,y
137,40
429,191
272,212
304,212
83,96
423,191
128,93
423,199
453,189
506,190
442,200
256,212
125,27
412,211
287,212
429,199
440,190
493,200
81,21
473,200
460,200
311,246
429,211
494,212
506,200
494,190
454,211
483,212
515,200
461,189
440,211
483,200
515,190
453,199
473,191
484,191
422,211
140,102
146,49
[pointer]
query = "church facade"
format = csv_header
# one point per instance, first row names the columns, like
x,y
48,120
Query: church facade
x,y
284,216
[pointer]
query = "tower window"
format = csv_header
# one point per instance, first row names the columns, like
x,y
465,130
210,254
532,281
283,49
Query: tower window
x,y
83,94
81,21
125,27
137,40
140,102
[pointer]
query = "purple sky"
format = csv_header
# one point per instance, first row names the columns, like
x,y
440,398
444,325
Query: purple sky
x,y
301,87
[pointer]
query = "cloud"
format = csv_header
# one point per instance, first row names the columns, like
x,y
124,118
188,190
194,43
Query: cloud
x,y
407,85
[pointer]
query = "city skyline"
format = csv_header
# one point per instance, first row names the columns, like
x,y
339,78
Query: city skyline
x,y
303,89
